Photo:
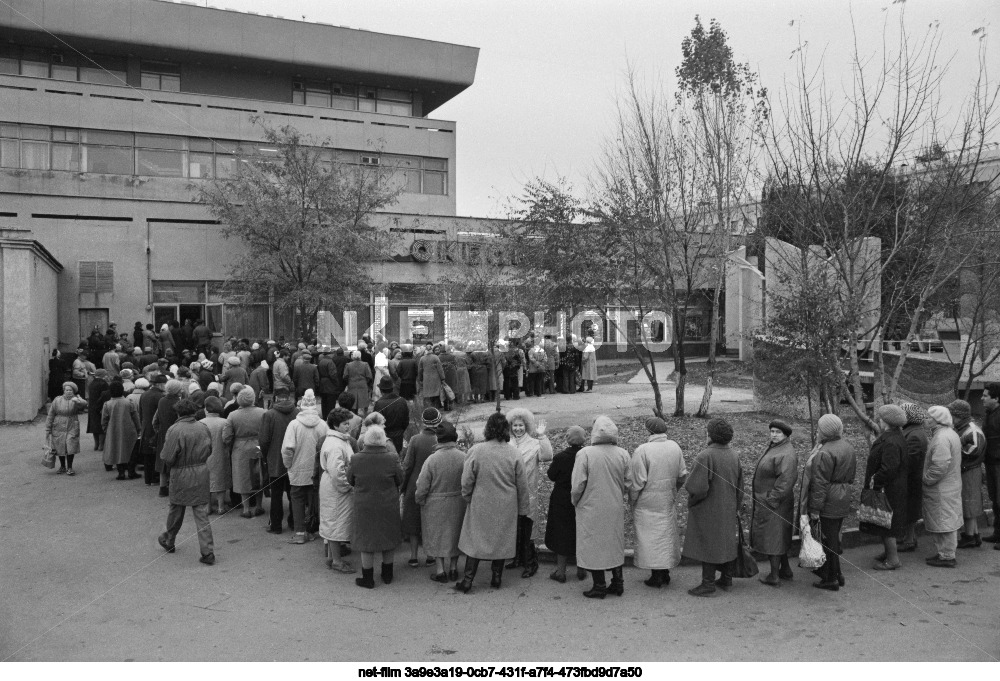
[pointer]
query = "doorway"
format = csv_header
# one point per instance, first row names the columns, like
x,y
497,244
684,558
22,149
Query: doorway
x,y
91,317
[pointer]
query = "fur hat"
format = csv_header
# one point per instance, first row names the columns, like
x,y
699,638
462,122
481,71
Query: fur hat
x,y
385,385
141,384
656,426
213,404
246,397
174,387
830,426
892,414
960,409
576,436
233,361
782,426
719,431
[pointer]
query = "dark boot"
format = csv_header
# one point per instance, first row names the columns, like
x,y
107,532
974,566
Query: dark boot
x,y
665,577
367,578
707,586
518,547
471,565
617,582
528,550
497,569
599,589
386,573
655,580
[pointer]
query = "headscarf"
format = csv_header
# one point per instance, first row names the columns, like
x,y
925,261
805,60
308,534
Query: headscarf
x,y
914,414
174,387
604,431
246,397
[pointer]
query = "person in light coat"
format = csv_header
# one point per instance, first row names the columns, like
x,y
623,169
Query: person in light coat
x,y
496,490
588,365
942,487
358,380
220,466
336,503
120,423
658,472
601,477
442,508
62,426
534,447
299,449
773,514
430,376
244,429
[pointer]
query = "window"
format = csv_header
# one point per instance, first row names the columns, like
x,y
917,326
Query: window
x,y
9,66
97,276
352,98
160,75
35,69
99,76
160,155
108,152
63,72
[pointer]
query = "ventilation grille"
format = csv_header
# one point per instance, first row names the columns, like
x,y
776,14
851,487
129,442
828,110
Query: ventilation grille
x,y
97,276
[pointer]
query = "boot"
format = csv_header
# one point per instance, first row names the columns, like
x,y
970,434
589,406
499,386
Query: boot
x,y
617,582
655,580
471,565
367,578
665,577
530,552
969,541
386,573
519,547
706,588
497,570
599,589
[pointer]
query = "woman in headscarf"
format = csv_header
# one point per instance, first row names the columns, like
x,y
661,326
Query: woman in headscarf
x,y
560,526
831,481
442,509
300,449
358,378
658,471
915,435
973,442
942,485
420,447
773,515
120,422
166,343
601,478
376,477
494,485
715,492
886,470
165,417
534,447
588,364
97,390
220,466
62,426
336,503
244,425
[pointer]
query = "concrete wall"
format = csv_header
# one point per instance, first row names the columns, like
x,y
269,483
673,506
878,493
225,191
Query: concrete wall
x,y
744,291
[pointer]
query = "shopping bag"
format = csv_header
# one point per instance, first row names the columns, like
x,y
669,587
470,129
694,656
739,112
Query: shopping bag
x,y
448,391
875,509
811,554
49,458
744,565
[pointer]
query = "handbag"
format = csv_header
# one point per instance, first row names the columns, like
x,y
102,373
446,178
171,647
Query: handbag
x,y
875,509
744,565
448,391
811,553
49,458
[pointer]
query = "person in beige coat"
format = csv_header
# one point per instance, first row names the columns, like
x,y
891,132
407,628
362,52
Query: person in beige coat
x,y
942,487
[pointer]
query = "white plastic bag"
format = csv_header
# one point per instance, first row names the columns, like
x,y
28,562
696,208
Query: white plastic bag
x,y
811,554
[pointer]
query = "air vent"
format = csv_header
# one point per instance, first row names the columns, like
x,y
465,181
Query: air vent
x,y
97,276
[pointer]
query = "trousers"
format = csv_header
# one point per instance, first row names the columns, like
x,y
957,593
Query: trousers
x,y
830,529
175,518
279,489
945,543
300,499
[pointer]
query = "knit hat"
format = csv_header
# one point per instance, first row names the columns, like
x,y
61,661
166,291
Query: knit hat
x,y
159,378
246,397
137,350
217,387
255,346
264,365
914,414
174,387
892,414
960,409
782,426
446,432
719,431
101,373
576,436
308,399
604,431
233,361
830,426
126,374
431,417
385,385
213,404
941,415
142,384
656,426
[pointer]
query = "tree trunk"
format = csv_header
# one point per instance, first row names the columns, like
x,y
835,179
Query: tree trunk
x,y
904,350
713,340
857,400
680,368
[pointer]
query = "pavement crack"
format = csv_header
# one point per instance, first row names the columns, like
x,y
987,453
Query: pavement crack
x,y
353,607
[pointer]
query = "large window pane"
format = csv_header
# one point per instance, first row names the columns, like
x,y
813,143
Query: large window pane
x,y
317,98
346,103
34,155
434,182
66,157
149,81
91,74
199,144
170,83
63,72
10,157
110,160
366,105
109,137
36,69
9,66
246,321
395,108
395,95
160,141
435,164
225,165
35,132
178,291
199,165
160,163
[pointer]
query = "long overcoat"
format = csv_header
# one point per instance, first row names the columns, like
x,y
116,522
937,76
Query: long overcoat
x,y
164,417
773,486
494,485
420,448
358,377
95,389
336,500
588,364
533,451
120,423
942,482
244,424
375,474
62,425
462,385
656,467
886,469
601,478
220,467
430,374
186,450
715,490
560,526
916,449
439,494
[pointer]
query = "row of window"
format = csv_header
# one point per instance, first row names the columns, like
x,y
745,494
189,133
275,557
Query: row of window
x,y
38,147
353,98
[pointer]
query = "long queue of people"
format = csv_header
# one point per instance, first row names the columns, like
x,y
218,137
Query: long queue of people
x,y
354,480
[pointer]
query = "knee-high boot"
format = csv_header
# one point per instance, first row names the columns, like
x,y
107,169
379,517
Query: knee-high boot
x,y
529,552
600,588
518,547
617,582
471,565
497,569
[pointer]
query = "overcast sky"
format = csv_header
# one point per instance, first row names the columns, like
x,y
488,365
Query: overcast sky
x,y
545,91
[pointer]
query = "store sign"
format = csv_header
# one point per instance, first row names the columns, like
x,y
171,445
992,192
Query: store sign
x,y
467,252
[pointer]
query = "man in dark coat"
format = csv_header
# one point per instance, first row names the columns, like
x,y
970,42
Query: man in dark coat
x,y
329,381
147,410
406,370
396,412
177,337
991,428
305,376
165,417
187,335
340,360
202,336
273,425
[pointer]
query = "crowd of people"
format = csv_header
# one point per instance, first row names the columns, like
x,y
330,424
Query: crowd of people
x,y
360,447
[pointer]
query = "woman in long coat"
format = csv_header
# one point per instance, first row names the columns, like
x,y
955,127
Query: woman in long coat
x,y
96,390
658,471
715,491
62,426
375,474
479,383
773,516
462,385
439,494
430,375
601,478
336,503
534,447
120,423
494,485
915,435
942,484
588,365
358,379
560,526
973,442
886,470
165,417
244,428
421,446
220,463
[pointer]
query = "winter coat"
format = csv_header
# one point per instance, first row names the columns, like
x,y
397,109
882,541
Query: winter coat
x,y
533,451
95,390
420,448
973,443
397,415
273,425
148,404
280,376
301,446
991,429
336,500
244,424
220,465
430,375
62,425
832,476
560,526
656,467
773,515
232,375
120,422
462,385
715,492
166,342
186,451
494,486
536,360
260,385
588,364
601,478
407,372
942,481
376,477
330,381
164,417
478,373
916,449
887,470
439,495
306,377
358,379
